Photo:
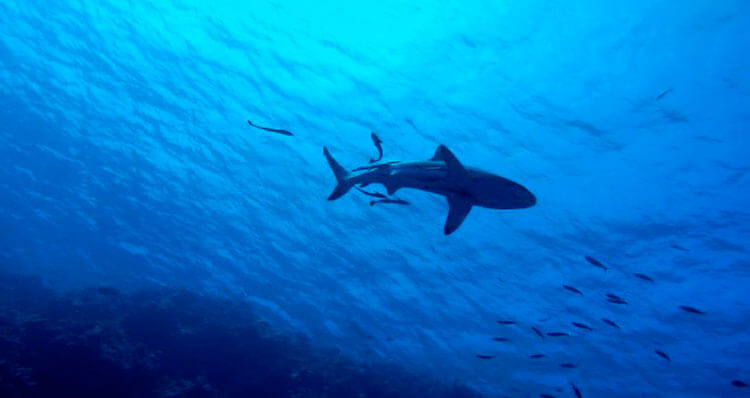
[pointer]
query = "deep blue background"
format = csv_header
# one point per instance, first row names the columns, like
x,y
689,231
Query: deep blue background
x,y
125,160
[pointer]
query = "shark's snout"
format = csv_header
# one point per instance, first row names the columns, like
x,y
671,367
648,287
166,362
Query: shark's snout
x,y
500,193
527,199
531,199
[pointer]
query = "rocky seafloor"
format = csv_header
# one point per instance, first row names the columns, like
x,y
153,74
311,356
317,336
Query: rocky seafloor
x,y
170,342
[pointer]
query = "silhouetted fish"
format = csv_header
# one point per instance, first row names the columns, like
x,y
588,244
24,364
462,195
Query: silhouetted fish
x,y
500,339
678,247
373,194
691,310
596,262
610,323
279,131
663,355
507,322
537,356
372,167
572,289
581,325
644,277
546,396
392,201
739,383
613,298
538,332
557,334
568,365
576,391
664,93
377,141
482,356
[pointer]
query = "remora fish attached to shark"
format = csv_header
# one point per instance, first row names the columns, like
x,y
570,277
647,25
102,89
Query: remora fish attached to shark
x,y
442,174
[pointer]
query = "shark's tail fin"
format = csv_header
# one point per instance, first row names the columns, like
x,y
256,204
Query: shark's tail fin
x,y
342,177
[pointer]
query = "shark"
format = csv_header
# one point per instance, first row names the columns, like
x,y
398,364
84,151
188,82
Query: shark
x,y
443,174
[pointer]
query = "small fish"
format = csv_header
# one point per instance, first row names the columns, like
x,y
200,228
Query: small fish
x,y
581,325
537,356
382,165
678,247
615,301
610,323
692,310
576,391
663,355
279,131
546,396
644,277
568,365
507,322
557,334
664,93
596,263
392,201
572,289
538,332
500,339
739,383
377,141
482,356
613,296
373,194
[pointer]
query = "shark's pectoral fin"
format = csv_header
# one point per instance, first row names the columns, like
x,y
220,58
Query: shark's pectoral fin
x,y
459,207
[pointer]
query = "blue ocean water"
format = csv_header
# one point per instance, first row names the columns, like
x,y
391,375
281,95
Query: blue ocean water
x,y
128,173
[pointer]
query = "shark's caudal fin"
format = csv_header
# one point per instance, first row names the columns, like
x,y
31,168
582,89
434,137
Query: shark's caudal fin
x,y
342,177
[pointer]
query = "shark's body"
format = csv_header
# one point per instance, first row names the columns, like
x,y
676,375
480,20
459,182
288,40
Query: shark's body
x,y
443,174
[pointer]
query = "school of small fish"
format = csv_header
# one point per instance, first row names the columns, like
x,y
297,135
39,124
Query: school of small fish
x,y
610,298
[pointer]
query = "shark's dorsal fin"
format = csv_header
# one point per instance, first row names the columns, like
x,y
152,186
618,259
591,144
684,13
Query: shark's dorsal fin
x,y
458,208
438,156
455,168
